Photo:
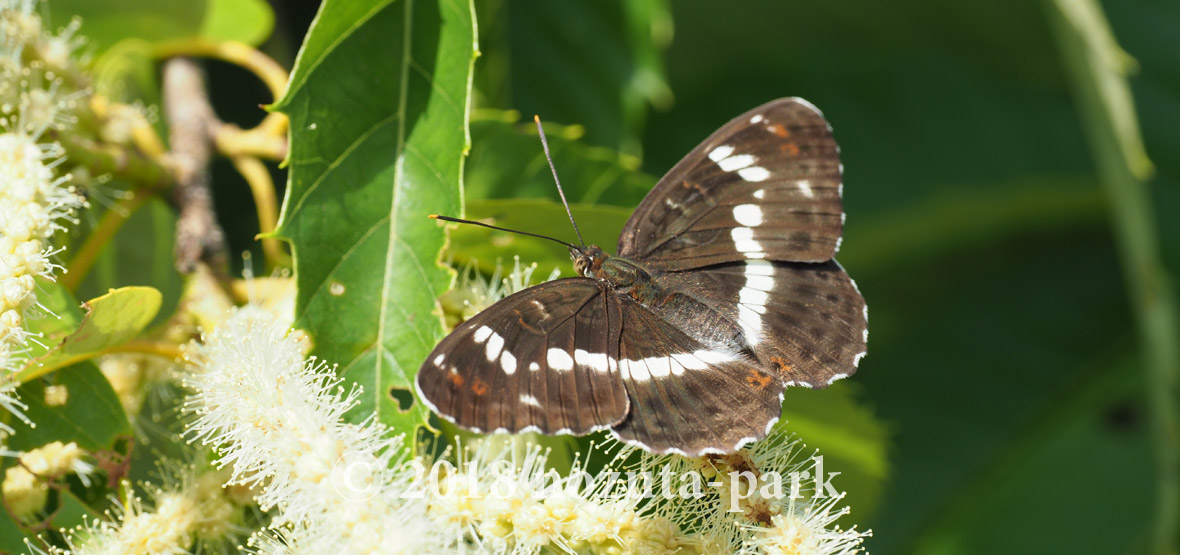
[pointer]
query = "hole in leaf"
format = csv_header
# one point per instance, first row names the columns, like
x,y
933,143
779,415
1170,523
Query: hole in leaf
x,y
404,398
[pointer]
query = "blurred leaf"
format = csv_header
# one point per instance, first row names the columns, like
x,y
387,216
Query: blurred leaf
x,y
75,512
248,21
111,320
592,63
969,350
967,218
12,538
110,21
850,438
126,72
63,316
372,153
92,415
1097,422
140,254
600,225
507,162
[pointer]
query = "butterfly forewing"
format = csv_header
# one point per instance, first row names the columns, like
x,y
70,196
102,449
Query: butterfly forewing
x,y
764,186
543,359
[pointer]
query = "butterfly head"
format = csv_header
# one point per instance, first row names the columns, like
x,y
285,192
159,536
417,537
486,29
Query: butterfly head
x,y
587,260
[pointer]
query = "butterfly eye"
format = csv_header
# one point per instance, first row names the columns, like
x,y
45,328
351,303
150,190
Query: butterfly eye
x,y
581,264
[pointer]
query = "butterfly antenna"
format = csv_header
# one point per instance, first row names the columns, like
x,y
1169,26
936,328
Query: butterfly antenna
x,y
545,145
489,226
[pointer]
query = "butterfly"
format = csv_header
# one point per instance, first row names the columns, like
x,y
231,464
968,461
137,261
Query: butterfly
x,y
724,292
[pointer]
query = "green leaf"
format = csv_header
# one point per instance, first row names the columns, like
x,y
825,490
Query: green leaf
x,y
600,225
1090,435
248,21
92,415
849,437
140,254
593,63
111,320
108,22
74,511
11,535
126,72
378,103
64,315
507,162
966,218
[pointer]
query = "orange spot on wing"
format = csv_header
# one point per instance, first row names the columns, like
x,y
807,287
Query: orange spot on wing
x,y
791,149
780,365
779,130
455,379
758,379
480,387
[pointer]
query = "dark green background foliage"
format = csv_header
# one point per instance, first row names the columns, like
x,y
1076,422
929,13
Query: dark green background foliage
x,y
1001,408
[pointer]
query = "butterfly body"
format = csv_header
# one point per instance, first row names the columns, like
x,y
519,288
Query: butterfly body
x,y
680,306
724,293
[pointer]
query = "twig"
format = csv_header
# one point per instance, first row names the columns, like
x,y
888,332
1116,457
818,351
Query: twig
x,y
191,124
1098,66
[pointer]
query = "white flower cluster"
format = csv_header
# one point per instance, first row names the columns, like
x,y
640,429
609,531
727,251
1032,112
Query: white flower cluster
x,y
34,199
278,424
504,498
474,293
196,509
767,501
26,485
276,421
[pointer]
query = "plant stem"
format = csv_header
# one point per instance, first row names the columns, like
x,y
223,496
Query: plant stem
x,y
122,162
163,349
244,55
263,189
1097,67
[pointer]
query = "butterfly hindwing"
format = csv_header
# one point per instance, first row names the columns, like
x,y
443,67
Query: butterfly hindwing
x,y
686,397
542,359
764,186
807,323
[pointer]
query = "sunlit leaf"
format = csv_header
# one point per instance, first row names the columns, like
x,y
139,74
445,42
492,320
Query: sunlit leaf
x,y
109,321
110,21
373,152
850,438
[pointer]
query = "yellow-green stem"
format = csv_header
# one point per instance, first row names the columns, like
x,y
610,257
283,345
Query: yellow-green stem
x,y
244,55
163,349
1097,67
263,189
